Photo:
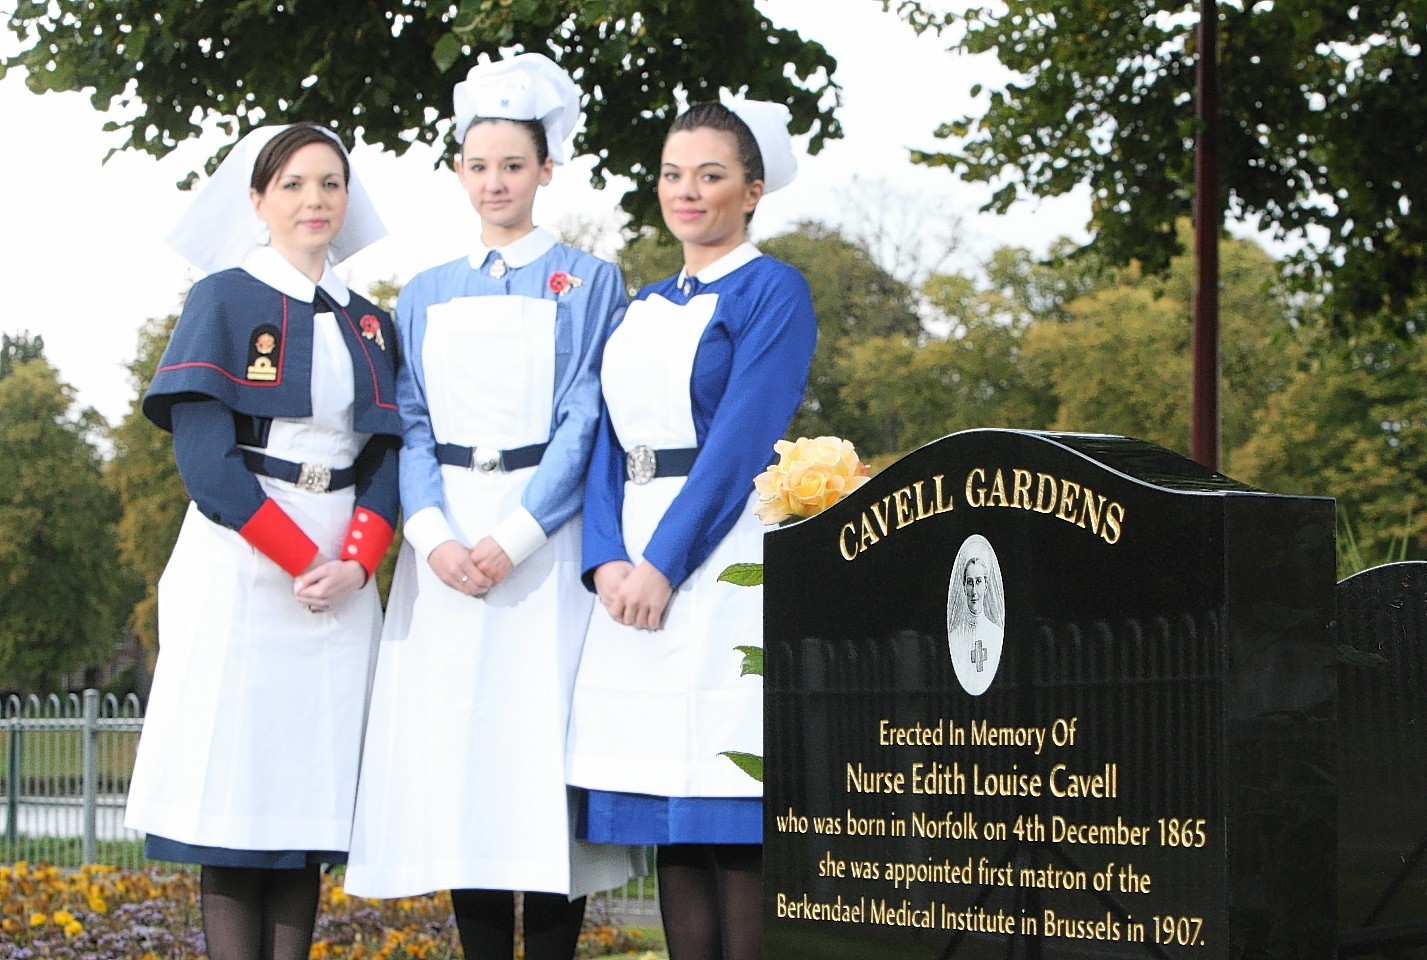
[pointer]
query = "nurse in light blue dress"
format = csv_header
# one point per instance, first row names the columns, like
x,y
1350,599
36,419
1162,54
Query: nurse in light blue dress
x,y
700,377
462,783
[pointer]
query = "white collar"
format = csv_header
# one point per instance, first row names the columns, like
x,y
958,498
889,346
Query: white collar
x,y
272,268
739,256
526,250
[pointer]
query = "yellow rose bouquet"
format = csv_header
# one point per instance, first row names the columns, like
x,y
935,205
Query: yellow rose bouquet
x,y
810,476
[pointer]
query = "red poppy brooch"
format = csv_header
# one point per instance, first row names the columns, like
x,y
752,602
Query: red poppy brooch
x,y
372,330
561,282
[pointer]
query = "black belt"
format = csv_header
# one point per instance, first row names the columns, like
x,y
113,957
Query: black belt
x,y
312,477
487,459
642,464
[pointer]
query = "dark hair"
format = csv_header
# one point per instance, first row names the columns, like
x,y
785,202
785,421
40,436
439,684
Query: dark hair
x,y
716,116
535,128
279,150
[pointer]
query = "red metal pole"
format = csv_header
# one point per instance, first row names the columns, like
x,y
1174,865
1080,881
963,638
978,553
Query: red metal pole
x,y
1208,224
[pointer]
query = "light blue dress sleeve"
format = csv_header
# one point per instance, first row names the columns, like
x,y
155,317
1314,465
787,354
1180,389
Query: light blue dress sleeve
x,y
556,492
420,472
773,331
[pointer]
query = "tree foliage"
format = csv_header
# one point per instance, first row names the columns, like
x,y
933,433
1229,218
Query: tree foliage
x,y
62,590
144,477
856,300
19,349
1351,423
1066,345
384,69
1323,117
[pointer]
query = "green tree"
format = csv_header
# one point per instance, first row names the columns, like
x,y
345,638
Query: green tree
x,y
973,373
1323,113
145,479
1121,362
1351,423
856,300
384,68
62,589
19,349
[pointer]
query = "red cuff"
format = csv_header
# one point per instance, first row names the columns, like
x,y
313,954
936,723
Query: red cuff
x,y
368,536
279,538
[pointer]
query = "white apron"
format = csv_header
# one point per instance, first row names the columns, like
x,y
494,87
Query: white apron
x,y
462,776
254,723
681,681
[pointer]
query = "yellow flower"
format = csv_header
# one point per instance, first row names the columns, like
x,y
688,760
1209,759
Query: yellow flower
x,y
810,476
63,917
10,925
73,928
39,919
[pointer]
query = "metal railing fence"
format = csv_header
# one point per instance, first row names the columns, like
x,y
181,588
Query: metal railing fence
x,y
65,763
64,769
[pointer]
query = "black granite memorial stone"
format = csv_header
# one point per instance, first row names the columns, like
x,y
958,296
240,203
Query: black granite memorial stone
x,y
1382,797
1050,696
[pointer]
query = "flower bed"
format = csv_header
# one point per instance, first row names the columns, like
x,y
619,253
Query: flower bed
x,y
101,912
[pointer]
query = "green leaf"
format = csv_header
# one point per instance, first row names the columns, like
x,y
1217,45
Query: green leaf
x,y
749,763
752,661
447,51
743,574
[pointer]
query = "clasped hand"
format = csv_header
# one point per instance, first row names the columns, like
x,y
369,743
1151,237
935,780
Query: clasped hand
x,y
472,572
325,584
634,596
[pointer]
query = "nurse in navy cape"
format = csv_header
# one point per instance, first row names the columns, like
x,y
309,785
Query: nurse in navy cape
x,y
463,784
278,385
700,378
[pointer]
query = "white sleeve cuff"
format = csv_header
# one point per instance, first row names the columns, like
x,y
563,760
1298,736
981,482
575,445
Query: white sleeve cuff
x,y
519,535
427,529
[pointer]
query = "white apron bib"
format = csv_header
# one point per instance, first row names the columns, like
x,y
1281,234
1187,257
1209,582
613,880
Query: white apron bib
x,y
462,777
254,723
684,678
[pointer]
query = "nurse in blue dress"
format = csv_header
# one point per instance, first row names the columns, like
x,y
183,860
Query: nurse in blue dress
x,y
278,385
700,377
463,782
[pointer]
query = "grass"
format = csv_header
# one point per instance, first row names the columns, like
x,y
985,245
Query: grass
x,y
58,755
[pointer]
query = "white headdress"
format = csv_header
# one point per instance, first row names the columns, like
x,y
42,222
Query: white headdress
x,y
221,227
769,123
528,86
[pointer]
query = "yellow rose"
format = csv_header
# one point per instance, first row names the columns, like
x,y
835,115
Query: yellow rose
x,y
810,476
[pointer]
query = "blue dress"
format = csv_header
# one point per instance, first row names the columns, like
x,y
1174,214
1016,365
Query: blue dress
x,y
462,771
718,363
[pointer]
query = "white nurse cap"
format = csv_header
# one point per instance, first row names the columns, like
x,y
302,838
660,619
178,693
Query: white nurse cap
x,y
528,86
769,123
221,227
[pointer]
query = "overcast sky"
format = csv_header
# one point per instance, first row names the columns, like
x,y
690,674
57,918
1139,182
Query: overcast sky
x,y
85,263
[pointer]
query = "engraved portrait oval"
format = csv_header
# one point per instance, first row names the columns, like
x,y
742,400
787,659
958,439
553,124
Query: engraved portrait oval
x,y
975,614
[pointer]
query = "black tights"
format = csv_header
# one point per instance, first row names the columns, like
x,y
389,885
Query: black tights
x,y
486,922
250,913
711,900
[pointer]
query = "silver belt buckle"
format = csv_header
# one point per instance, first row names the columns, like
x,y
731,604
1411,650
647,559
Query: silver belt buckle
x,y
315,478
640,464
485,459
